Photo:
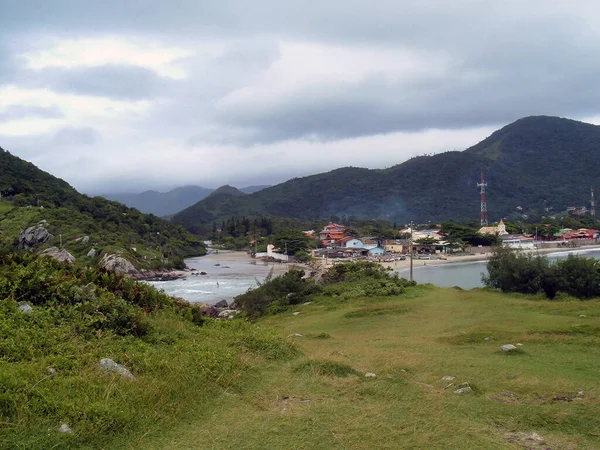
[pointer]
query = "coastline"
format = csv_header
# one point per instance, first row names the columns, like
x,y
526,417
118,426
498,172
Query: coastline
x,y
279,268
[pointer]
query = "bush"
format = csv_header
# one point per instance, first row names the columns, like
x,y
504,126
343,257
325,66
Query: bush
x,y
511,271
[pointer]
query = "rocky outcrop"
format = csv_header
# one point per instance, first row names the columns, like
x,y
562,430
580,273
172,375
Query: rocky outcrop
x,y
159,275
92,253
59,255
33,236
209,310
118,264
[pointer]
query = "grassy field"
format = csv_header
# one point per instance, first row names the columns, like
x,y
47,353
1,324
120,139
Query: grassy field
x,y
298,381
543,396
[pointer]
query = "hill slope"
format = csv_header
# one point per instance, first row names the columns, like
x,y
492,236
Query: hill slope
x,y
164,204
534,162
32,196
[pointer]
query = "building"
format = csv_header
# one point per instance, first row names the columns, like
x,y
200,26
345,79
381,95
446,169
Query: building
x,y
518,241
331,234
350,242
499,229
396,245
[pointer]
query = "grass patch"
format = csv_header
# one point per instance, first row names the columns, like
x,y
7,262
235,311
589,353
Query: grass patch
x,y
575,330
319,336
371,311
326,368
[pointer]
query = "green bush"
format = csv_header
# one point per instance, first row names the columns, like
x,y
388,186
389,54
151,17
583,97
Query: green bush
x,y
512,271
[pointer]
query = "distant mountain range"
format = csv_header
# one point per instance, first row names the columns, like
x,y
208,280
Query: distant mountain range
x,y
167,203
536,163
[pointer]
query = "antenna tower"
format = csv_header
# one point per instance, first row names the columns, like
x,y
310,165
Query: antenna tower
x,y
482,186
593,205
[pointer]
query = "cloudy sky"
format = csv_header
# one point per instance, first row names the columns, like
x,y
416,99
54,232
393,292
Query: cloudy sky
x,y
126,95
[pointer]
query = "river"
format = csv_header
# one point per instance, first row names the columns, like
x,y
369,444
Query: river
x,y
228,275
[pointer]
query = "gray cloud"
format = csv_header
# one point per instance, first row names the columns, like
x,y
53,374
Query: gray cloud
x,y
491,63
71,136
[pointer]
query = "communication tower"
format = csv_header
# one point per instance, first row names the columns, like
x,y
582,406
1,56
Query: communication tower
x,y
482,186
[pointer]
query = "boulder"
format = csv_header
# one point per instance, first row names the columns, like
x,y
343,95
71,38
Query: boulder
x,y
59,255
222,304
209,310
463,390
508,348
92,253
227,313
110,366
33,236
117,264
370,375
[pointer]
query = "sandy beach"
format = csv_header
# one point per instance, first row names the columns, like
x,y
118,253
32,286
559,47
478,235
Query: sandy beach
x,y
279,268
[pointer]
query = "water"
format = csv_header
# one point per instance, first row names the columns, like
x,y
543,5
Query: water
x,y
233,275
467,275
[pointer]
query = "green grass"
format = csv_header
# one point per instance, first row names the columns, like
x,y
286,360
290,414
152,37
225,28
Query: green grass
x,y
235,384
303,404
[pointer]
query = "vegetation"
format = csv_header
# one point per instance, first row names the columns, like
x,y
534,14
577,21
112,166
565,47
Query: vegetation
x,y
49,357
513,271
32,196
438,187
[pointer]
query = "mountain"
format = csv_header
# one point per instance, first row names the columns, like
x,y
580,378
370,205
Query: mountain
x,y
164,204
535,162
31,197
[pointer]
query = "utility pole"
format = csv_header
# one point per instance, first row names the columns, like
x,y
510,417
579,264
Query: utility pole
x,y
593,206
482,186
411,251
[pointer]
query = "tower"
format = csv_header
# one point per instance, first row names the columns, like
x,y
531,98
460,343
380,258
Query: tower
x,y
482,185
593,205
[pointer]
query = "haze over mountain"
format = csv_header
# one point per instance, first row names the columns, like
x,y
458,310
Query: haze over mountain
x,y
535,162
167,203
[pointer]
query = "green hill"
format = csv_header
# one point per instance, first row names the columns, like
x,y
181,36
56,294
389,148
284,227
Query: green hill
x,y
536,163
80,223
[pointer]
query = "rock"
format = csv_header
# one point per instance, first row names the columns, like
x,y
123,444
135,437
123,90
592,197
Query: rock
x,y
580,393
487,338
295,335
85,240
296,313
111,366
463,390
306,303
228,313
448,378
64,428
51,371
92,253
519,345
59,255
202,273
582,315
221,304
508,348
33,236
117,264
425,385
370,375
25,308
208,310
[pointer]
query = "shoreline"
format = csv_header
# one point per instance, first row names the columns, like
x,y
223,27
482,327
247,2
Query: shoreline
x,y
278,268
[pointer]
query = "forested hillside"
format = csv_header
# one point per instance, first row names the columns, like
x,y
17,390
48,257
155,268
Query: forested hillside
x,y
32,197
536,163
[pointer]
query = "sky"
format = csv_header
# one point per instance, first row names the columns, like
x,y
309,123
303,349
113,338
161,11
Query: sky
x,y
128,95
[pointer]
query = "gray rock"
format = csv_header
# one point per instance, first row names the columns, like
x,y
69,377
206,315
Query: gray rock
x,y
25,308
370,375
295,335
508,348
64,428
92,253
221,304
582,315
33,236
228,313
448,378
59,255
463,390
51,371
117,264
111,366
85,239
296,313
209,310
